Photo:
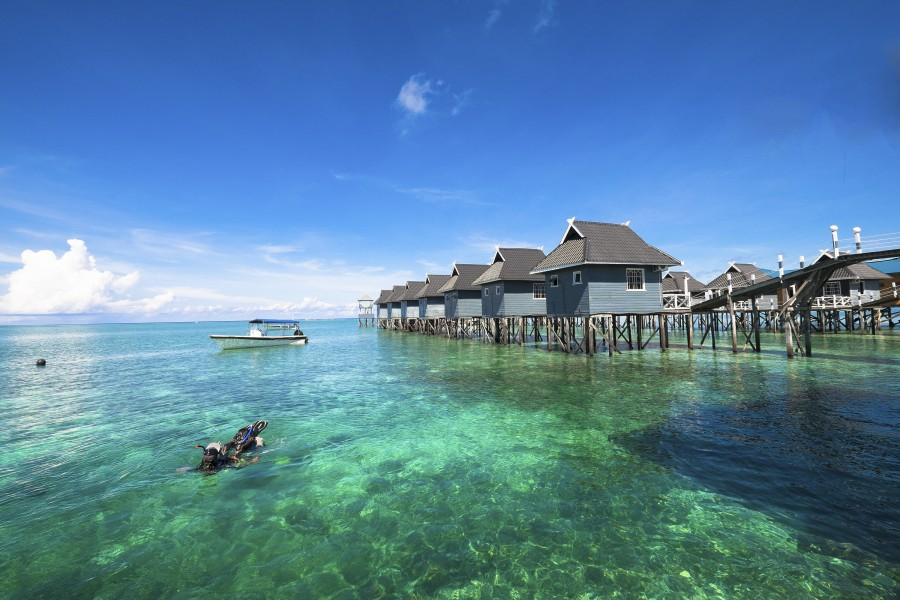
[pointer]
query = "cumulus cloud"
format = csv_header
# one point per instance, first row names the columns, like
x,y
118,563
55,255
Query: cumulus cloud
x,y
71,283
413,96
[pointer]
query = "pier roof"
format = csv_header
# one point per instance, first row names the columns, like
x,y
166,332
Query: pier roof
x,y
462,278
433,283
383,297
513,264
589,242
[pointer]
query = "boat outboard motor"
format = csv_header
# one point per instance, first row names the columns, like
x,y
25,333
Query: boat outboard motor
x,y
213,457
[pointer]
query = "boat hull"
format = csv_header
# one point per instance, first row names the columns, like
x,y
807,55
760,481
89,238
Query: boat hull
x,y
230,342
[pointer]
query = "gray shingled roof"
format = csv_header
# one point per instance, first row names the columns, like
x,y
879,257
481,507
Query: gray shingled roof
x,y
397,293
603,243
513,264
740,277
673,283
412,288
856,271
383,297
433,283
859,270
462,278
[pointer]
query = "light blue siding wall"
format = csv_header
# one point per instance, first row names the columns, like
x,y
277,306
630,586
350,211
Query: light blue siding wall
x,y
464,303
450,304
516,299
603,289
871,290
432,308
395,311
410,309
381,311
469,303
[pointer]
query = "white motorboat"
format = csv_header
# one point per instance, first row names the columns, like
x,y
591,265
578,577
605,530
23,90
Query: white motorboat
x,y
264,332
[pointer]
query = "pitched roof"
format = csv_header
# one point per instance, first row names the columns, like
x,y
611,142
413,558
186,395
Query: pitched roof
x,y
433,283
462,278
858,271
855,271
397,293
383,297
673,283
588,242
512,264
412,288
742,275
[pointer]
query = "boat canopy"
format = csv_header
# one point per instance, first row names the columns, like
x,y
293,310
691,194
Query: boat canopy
x,y
276,321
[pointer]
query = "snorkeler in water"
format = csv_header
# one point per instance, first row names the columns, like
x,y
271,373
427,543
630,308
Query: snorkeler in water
x,y
217,456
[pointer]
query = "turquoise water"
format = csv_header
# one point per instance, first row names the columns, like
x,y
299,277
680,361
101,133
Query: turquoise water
x,y
406,466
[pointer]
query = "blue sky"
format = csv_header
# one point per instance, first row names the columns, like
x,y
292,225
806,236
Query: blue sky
x,y
225,160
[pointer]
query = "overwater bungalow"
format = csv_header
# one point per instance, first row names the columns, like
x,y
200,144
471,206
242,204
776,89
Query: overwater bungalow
x,y
462,299
848,286
741,275
680,290
509,288
381,305
603,268
431,301
395,304
409,304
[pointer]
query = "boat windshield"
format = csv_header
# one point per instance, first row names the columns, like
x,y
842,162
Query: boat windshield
x,y
276,326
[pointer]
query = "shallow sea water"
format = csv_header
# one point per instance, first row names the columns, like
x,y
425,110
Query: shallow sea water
x,y
406,466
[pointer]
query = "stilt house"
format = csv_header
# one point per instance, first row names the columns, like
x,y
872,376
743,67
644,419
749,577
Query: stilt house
x,y
850,286
462,298
381,305
409,305
509,289
603,268
743,275
680,290
431,301
395,302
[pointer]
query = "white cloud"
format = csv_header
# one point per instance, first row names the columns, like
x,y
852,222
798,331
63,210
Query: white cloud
x,y
167,246
545,15
493,16
440,196
413,96
71,283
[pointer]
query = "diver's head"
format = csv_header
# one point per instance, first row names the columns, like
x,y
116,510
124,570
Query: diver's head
x,y
212,457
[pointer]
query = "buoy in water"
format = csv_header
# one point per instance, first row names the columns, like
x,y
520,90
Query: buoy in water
x,y
41,362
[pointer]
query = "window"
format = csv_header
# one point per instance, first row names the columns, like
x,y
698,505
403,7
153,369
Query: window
x,y
832,288
576,277
540,291
487,291
554,281
498,290
635,279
